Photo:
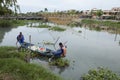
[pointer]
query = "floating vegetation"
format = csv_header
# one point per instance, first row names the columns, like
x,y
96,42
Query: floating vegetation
x,y
44,26
80,31
100,74
60,62
56,28
48,43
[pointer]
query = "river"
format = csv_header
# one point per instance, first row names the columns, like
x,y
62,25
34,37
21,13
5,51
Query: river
x,y
86,50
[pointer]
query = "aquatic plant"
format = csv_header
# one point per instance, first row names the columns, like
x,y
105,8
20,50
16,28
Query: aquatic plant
x,y
56,28
100,74
44,26
80,31
60,62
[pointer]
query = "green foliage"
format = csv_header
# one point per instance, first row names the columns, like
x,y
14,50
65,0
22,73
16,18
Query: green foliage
x,y
6,5
100,74
11,23
5,11
99,13
60,62
56,28
80,31
5,23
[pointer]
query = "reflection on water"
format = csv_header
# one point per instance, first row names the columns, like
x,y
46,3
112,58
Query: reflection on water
x,y
3,31
86,50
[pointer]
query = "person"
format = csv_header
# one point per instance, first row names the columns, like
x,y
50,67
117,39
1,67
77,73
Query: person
x,y
20,38
60,52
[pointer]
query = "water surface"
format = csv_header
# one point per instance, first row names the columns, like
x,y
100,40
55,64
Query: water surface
x,y
87,50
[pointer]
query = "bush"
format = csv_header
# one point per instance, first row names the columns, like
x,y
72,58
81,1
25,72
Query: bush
x,y
5,23
100,74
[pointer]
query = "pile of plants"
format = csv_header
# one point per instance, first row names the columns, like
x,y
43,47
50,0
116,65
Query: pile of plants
x,y
60,62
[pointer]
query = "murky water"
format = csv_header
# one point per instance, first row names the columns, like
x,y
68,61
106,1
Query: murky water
x,y
87,50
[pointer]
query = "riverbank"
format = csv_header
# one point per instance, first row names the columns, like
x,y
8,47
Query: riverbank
x,y
16,23
11,23
14,67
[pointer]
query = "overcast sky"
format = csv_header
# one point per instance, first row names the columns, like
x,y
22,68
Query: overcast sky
x,y
51,5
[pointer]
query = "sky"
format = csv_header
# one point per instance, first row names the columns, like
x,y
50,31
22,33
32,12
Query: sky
x,y
61,5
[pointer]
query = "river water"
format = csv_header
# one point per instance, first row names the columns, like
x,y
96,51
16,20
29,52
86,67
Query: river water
x,y
86,50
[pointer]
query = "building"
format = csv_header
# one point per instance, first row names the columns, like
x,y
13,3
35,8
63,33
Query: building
x,y
114,14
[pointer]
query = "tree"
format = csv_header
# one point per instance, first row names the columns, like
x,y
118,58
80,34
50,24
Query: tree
x,y
6,6
99,13
46,10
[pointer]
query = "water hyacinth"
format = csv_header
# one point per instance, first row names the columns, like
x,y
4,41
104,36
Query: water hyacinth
x,y
100,74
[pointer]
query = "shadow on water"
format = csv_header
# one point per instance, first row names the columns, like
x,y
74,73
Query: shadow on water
x,y
44,61
3,31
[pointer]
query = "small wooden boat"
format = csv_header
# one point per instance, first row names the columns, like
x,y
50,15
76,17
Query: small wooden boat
x,y
38,49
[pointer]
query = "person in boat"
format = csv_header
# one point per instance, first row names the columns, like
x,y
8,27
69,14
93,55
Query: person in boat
x,y
20,38
60,52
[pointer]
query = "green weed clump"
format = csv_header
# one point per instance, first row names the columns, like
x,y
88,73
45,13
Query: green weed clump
x,y
100,74
56,28
60,62
44,26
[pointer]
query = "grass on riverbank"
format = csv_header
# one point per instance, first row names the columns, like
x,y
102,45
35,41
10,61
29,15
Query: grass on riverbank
x,y
101,23
13,66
